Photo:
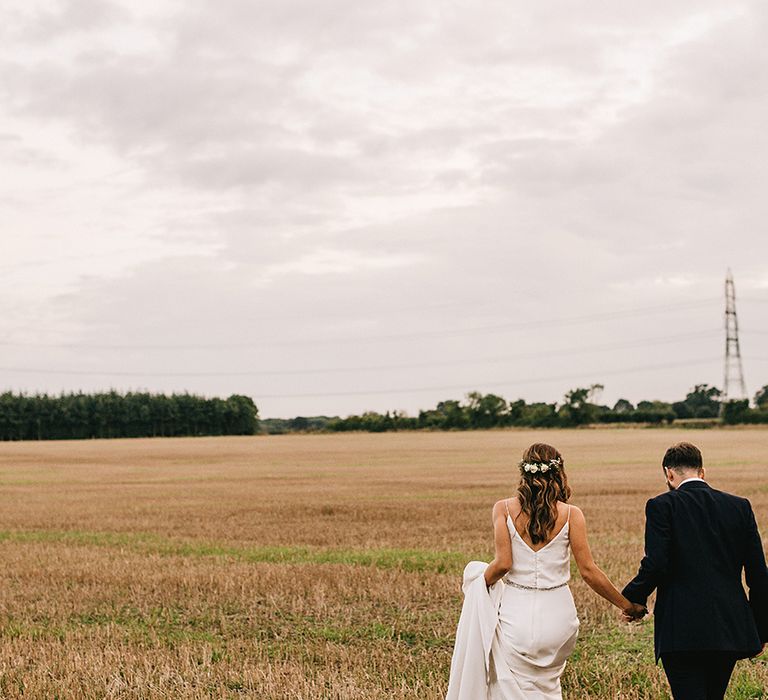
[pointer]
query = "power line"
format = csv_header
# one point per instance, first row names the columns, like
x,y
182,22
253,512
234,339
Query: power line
x,y
510,326
475,385
517,382
334,313
664,340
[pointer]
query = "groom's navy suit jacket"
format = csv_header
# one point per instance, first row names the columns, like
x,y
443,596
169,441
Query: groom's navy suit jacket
x,y
697,541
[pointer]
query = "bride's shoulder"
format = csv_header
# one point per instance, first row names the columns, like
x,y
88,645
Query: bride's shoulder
x,y
574,511
505,504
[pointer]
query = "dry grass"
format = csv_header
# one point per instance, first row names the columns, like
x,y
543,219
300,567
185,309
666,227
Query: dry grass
x,y
305,566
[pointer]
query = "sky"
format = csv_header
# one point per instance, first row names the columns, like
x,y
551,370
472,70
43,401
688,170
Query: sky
x,y
346,206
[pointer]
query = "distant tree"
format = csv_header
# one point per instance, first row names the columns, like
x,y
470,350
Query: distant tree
x,y
453,415
430,419
761,397
540,415
623,406
704,401
516,412
375,422
402,421
578,408
275,426
661,406
486,410
735,411
299,423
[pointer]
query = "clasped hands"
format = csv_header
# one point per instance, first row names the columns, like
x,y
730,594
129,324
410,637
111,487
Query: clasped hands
x,y
634,612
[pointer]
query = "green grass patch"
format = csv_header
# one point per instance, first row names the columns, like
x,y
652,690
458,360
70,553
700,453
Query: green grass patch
x,y
415,560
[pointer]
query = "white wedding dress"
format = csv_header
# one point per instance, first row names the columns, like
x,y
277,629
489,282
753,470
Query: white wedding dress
x,y
513,640
537,620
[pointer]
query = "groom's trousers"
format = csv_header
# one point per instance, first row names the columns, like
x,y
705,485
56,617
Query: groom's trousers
x,y
698,675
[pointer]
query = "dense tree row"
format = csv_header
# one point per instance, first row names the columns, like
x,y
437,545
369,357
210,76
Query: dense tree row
x,y
114,415
140,414
579,407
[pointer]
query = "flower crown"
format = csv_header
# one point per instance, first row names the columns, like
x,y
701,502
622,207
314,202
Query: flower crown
x,y
535,467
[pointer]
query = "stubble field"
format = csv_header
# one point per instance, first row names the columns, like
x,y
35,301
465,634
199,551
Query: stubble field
x,y
303,567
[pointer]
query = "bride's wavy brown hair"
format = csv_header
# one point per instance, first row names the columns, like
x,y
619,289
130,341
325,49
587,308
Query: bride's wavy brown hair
x,y
539,492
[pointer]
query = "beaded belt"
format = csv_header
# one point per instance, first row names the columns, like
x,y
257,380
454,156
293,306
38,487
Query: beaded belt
x,y
534,588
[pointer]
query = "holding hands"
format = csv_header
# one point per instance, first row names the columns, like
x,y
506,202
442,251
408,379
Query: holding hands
x,y
633,612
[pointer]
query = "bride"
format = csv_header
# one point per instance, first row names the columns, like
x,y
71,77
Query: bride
x,y
518,624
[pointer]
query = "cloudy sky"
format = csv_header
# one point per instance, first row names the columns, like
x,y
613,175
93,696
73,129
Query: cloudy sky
x,y
339,206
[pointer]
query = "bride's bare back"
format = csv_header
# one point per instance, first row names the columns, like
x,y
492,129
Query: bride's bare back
x,y
520,520
589,570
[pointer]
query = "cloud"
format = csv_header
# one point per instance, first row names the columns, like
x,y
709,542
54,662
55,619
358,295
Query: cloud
x,y
46,23
301,174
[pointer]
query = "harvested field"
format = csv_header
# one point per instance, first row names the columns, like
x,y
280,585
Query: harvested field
x,y
318,566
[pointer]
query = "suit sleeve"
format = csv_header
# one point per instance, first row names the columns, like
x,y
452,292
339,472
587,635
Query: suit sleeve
x,y
654,565
756,575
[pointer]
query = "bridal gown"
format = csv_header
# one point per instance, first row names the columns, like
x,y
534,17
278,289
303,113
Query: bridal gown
x,y
513,639
537,623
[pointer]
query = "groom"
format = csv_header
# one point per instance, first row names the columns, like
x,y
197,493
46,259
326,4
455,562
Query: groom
x,y
697,541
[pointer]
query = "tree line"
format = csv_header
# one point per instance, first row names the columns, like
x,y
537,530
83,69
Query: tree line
x,y
117,415
579,406
143,414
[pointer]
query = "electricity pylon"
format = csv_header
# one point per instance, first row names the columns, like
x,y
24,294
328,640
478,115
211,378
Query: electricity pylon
x,y
733,386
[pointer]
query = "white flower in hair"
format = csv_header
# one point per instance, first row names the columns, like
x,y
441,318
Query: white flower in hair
x,y
536,467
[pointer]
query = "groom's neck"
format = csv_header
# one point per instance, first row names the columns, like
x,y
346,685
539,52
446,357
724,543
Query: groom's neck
x,y
675,477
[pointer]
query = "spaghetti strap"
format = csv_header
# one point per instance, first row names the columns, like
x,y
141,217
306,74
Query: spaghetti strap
x,y
506,505
568,519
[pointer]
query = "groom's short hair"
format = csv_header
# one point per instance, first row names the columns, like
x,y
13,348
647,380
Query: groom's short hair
x,y
681,456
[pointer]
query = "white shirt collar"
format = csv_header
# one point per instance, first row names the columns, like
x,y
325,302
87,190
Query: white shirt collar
x,y
690,478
